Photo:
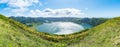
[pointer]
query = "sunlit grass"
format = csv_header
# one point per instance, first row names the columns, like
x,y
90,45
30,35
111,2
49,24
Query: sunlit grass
x,y
15,34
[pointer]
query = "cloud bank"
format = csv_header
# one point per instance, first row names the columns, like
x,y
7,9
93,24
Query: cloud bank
x,y
21,8
66,12
20,3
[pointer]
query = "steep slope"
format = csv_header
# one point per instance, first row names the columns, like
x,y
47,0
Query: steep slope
x,y
104,35
15,34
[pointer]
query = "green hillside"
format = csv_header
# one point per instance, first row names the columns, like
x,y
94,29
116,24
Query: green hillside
x,y
15,34
104,35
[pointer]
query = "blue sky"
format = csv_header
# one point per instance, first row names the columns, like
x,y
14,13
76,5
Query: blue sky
x,y
60,8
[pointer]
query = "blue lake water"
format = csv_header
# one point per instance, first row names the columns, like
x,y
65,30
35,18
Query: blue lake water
x,y
61,27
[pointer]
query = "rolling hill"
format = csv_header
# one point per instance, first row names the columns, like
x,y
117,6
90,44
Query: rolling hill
x,y
104,35
15,34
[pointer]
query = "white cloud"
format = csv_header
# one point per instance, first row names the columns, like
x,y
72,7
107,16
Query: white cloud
x,y
20,8
66,12
20,3
4,1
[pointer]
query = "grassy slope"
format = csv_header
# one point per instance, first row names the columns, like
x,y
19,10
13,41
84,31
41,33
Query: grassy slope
x,y
104,35
15,34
